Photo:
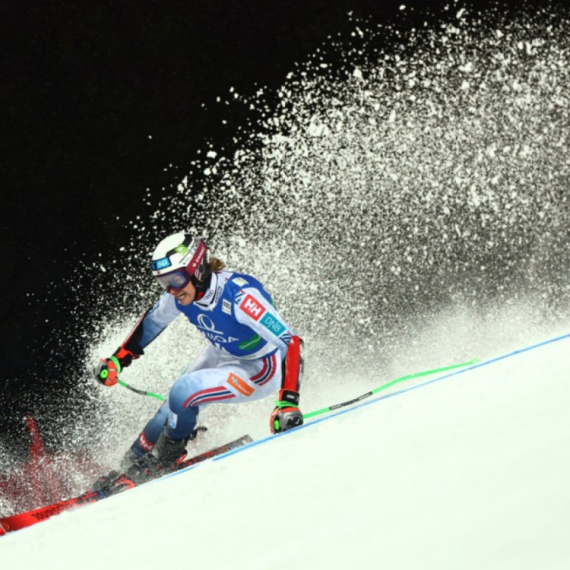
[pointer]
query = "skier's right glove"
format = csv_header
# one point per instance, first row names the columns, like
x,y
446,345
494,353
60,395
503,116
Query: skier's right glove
x,y
108,369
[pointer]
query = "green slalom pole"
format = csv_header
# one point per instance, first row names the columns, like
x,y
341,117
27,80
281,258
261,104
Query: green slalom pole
x,y
389,385
142,392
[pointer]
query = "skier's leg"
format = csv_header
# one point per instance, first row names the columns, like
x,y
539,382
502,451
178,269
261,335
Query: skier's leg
x,y
158,448
151,432
232,381
164,438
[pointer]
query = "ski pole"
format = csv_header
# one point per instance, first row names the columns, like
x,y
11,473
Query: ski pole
x,y
388,385
343,404
142,392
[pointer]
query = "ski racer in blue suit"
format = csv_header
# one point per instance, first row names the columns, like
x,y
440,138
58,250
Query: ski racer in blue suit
x,y
252,352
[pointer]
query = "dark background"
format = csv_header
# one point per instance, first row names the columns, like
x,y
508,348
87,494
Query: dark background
x,y
84,85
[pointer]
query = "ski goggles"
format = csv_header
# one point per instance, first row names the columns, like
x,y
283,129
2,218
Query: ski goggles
x,y
175,279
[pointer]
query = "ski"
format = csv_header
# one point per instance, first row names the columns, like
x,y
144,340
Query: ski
x,y
22,520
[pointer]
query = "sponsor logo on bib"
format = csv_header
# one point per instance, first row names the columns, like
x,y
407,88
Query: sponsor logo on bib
x,y
251,307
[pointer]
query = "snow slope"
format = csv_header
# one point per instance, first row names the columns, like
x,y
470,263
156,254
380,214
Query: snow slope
x,y
469,471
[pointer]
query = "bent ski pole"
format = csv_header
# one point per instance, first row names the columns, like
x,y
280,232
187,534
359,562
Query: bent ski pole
x,y
388,385
142,392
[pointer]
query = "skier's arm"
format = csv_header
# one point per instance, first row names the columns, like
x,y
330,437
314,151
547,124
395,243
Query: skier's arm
x,y
254,310
251,308
286,414
150,325
147,328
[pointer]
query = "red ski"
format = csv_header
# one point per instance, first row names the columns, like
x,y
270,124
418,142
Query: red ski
x,y
22,520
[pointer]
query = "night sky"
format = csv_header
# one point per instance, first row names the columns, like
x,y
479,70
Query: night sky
x,y
102,100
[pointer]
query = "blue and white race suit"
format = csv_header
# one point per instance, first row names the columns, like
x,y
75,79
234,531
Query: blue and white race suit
x,y
242,362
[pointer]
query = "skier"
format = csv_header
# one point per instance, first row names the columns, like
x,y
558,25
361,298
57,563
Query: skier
x,y
252,353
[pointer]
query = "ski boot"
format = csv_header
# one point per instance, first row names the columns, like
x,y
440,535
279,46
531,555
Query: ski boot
x,y
134,470
164,458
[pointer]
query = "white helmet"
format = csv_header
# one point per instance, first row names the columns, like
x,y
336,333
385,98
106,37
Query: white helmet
x,y
179,259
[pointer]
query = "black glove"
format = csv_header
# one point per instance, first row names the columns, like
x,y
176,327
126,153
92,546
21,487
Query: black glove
x,y
286,414
108,369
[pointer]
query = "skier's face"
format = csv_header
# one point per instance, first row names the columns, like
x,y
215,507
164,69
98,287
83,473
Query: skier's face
x,y
185,295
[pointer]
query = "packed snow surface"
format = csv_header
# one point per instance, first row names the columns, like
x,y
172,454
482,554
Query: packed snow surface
x,y
469,471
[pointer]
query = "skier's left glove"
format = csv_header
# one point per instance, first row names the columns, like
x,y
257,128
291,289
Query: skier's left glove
x,y
108,369
286,414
